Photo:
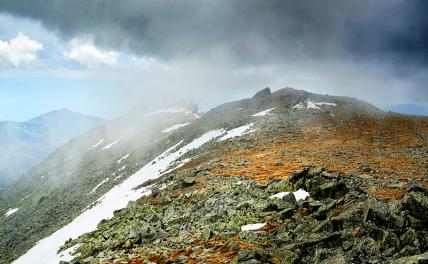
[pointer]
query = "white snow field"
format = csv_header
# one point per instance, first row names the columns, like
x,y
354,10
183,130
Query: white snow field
x,y
174,127
111,144
97,144
299,195
308,104
45,251
11,212
263,113
237,132
252,227
98,185
123,158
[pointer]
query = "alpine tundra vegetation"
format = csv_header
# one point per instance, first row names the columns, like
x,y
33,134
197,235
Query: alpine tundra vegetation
x,y
281,177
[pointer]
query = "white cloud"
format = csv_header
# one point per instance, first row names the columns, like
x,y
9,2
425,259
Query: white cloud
x,y
87,54
18,50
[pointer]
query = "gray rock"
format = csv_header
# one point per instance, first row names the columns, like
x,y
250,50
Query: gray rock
x,y
155,191
333,190
290,201
187,182
208,234
152,218
417,204
410,238
286,214
249,254
390,239
296,176
338,259
417,259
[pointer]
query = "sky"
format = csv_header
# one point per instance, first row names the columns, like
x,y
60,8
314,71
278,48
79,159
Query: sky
x,y
103,57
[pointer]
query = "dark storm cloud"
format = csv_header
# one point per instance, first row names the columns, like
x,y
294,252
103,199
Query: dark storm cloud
x,y
218,50
248,31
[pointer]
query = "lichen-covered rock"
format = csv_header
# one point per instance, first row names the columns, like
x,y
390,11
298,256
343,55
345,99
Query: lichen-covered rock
x,y
349,227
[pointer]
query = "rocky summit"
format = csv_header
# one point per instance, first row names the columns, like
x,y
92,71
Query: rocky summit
x,y
283,177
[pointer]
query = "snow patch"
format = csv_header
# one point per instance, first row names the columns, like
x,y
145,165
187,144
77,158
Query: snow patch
x,y
25,197
66,255
45,251
111,144
174,127
97,144
11,211
122,159
98,185
263,113
299,195
252,227
237,132
308,104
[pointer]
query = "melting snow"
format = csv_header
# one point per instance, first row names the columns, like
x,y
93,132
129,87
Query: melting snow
x,y
237,132
99,184
174,127
66,255
45,251
11,212
299,194
252,227
111,144
308,104
263,113
25,197
97,144
118,177
122,159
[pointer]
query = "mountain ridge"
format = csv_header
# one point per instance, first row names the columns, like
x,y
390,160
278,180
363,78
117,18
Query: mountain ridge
x,y
264,140
29,142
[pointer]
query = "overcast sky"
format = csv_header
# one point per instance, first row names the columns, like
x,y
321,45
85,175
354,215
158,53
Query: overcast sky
x,y
101,57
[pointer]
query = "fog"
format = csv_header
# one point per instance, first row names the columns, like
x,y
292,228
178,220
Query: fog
x,y
223,50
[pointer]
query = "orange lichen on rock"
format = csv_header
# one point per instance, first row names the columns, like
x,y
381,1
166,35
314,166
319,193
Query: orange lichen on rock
x,y
215,251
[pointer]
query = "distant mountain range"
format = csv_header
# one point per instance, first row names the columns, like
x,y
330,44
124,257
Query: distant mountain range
x,y
24,144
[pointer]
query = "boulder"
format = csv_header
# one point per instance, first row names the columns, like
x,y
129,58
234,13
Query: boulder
x,y
333,189
286,214
410,238
416,259
417,204
290,201
187,182
155,191
296,176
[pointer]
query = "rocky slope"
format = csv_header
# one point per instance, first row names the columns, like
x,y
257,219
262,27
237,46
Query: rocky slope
x,y
24,144
226,200
54,192
203,218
